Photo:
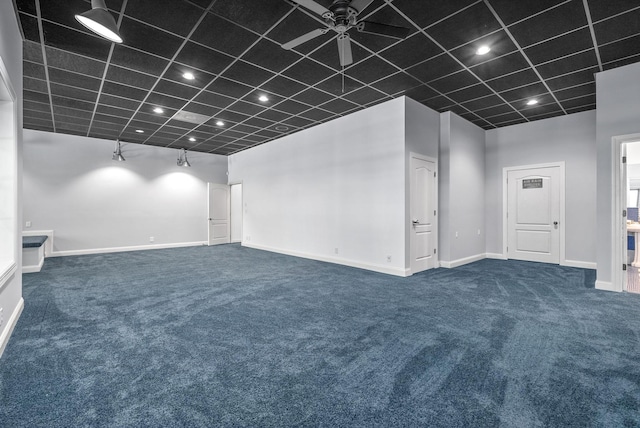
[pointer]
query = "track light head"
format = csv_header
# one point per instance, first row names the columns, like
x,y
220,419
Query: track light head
x,y
100,21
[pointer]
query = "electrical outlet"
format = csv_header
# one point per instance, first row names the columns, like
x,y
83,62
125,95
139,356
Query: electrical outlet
x,y
248,238
388,259
27,224
335,250
151,239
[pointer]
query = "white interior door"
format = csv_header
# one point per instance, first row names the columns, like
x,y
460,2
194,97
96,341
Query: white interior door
x,y
236,213
423,203
533,214
219,223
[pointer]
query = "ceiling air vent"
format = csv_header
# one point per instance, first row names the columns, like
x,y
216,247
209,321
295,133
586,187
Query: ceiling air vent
x,y
187,116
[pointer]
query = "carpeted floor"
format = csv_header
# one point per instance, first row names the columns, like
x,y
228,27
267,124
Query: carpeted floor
x,y
229,336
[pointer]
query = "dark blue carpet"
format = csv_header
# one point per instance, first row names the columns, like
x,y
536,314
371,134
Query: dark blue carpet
x,y
229,336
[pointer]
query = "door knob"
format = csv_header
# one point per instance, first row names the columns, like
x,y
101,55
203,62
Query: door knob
x,y
415,222
555,223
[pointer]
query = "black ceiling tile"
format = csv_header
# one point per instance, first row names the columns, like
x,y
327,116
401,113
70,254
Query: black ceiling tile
x,y
268,134
176,72
30,69
145,126
114,111
587,100
620,62
420,93
223,35
113,120
494,111
32,52
132,78
74,79
559,20
570,64
514,80
119,102
507,117
249,109
137,60
365,95
435,68
295,25
71,92
316,114
245,128
76,63
371,70
52,11
231,116
27,6
309,72
71,129
210,130
232,134
174,130
499,42
273,115
620,49
162,100
470,93
461,28
572,79
291,106
525,92
339,85
149,39
38,124
501,66
328,54
257,16
298,122
603,9
372,42
175,16
560,46
35,96
212,99
454,82
258,122
35,85
282,86
440,103
206,110
82,114
512,11
102,134
414,49
124,91
75,41
200,57
229,88
396,83
72,103
482,103
271,56
534,111
338,106
576,91
244,72
181,124
313,97
36,106
42,115
30,28
176,89
580,109
426,13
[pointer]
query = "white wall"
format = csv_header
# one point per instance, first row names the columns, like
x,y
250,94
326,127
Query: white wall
x,y
337,185
568,138
462,176
618,114
94,204
11,54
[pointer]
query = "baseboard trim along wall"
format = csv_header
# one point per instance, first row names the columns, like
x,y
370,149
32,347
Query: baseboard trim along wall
x,y
579,264
33,268
11,323
607,286
123,249
496,256
351,263
463,261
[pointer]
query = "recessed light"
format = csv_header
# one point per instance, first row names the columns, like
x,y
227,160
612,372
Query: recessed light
x,y
532,102
220,123
263,98
483,50
281,128
189,76
192,139
139,131
158,110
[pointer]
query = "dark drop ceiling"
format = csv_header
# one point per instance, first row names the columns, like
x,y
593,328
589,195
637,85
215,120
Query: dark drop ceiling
x,y
77,83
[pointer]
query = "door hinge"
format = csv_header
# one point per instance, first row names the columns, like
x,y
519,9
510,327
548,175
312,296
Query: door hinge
x,y
434,251
624,267
624,213
434,212
435,174
624,159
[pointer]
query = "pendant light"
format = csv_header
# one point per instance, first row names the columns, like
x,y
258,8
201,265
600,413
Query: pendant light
x,y
100,21
117,154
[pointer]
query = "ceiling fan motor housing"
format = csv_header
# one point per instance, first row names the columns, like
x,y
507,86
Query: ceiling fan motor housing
x,y
344,16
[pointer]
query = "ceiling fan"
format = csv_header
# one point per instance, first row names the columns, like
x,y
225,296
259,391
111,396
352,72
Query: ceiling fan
x,y
340,17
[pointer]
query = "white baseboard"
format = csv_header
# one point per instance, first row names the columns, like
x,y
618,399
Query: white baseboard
x,y
607,286
579,264
496,256
48,244
33,268
11,324
351,263
463,261
122,249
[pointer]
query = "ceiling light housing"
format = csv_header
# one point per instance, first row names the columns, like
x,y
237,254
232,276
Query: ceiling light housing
x,y
220,123
117,153
192,139
158,110
182,159
100,21
189,76
139,131
263,98
483,50
532,102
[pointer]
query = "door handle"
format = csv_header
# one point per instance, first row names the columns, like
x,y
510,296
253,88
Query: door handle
x,y
415,222
555,223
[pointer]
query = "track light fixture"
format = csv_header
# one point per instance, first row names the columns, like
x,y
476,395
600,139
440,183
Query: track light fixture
x,y
117,153
182,158
100,21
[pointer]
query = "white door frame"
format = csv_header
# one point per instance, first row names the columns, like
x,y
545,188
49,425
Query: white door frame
x,y
209,187
505,205
234,183
618,204
435,219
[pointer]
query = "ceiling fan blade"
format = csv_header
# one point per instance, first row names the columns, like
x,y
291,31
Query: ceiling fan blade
x,y
344,49
304,38
383,30
360,5
312,6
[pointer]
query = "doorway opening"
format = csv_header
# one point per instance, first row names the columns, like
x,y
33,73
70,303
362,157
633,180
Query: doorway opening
x,y
630,187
